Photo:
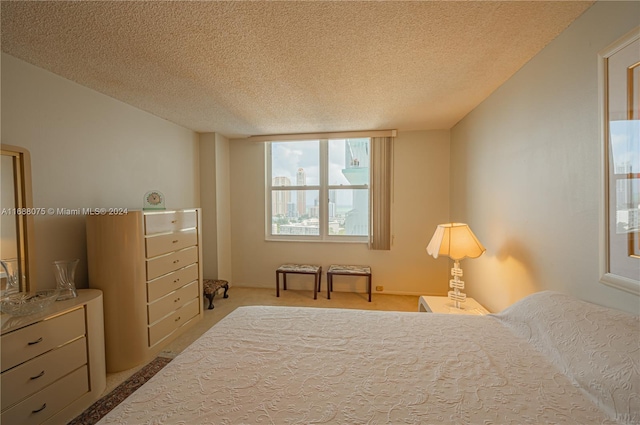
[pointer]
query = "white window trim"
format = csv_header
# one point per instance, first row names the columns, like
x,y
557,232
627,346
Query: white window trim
x,y
323,193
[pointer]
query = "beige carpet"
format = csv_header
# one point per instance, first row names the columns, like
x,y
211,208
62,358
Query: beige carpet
x,y
253,296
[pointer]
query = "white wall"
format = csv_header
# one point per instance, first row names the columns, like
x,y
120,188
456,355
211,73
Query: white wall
x,y
421,187
89,151
525,171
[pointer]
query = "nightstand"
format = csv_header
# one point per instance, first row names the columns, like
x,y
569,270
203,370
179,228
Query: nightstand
x,y
431,304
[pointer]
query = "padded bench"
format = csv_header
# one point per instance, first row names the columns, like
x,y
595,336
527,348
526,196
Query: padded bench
x,y
299,269
211,286
347,271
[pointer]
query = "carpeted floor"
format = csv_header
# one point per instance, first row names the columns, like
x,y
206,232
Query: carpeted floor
x,y
103,406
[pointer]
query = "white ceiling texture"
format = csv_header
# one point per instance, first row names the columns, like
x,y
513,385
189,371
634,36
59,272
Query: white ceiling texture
x,y
244,68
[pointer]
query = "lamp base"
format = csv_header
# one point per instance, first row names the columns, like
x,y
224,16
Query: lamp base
x,y
457,296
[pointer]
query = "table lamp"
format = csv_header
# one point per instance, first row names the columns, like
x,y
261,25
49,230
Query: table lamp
x,y
456,241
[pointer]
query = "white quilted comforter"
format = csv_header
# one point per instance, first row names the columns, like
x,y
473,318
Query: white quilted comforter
x,y
548,359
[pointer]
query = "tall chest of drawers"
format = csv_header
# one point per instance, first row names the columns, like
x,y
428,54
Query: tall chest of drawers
x,y
149,267
53,364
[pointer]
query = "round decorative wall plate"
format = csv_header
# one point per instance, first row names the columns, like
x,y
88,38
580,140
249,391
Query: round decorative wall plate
x,y
153,200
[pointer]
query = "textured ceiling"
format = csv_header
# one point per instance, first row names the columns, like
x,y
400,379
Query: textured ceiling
x,y
250,68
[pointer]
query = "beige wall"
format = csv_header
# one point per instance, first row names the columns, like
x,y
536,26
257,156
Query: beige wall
x,y
223,209
208,192
421,187
89,151
525,171
215,200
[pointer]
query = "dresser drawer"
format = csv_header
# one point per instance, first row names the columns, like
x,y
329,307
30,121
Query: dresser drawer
x,y
32,376
163,285
169,221
163,244
164,327
46,403
172,301
169,262
31,341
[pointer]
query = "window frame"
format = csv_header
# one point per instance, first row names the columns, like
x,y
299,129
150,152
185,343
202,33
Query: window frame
x,y
323,189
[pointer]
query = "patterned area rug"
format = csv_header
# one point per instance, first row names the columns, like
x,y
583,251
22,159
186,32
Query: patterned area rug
x,y
103,406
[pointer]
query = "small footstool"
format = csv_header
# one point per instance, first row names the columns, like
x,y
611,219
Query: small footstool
x,y
299,269
211,286
347,271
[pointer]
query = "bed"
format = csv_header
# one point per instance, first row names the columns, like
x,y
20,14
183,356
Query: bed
x,y
548,358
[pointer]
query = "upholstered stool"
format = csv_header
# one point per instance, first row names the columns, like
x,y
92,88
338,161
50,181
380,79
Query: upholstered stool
x,y
299,269
211,286
347,271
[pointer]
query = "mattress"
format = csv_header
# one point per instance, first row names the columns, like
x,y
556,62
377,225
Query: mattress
x,y
290,365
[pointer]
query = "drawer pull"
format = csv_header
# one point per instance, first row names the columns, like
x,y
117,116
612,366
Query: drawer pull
x,y
177,319
176,281
175,241
176,261
37,376
174,221
40,409
35,342
176,300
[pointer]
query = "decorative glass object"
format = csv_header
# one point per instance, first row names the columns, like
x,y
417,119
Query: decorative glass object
x,y
25,303
11,271
65,271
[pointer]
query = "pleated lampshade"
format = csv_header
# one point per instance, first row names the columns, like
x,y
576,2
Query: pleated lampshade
x,y
456,241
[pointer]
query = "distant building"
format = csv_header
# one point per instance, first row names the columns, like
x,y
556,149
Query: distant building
x,y
314,211
334,228
280,198
332,210
292,211
307,227
301,180
357,156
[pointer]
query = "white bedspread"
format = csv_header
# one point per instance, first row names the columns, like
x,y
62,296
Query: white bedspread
x,y
288,365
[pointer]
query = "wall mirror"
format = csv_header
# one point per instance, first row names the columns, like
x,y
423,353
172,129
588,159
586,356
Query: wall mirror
x,y
620,97
17,271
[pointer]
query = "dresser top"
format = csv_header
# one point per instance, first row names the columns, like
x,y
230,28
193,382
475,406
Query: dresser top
x,y
11,323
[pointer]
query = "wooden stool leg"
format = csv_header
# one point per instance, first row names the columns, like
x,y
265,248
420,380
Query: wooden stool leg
x,y
369,288
284,280
315,286
329,283
277,283
226,288
210,298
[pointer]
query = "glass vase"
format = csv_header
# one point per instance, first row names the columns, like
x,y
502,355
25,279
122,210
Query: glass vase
x,y
10,284
65,271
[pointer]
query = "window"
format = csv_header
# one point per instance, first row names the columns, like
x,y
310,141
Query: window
x,y
318,189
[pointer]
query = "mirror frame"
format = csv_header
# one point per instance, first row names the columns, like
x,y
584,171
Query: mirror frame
x,y
24,200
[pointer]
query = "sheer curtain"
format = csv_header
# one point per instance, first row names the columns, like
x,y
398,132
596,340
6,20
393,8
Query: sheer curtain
x,y
381,194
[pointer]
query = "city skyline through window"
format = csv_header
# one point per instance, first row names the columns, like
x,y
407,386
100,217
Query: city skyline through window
x,y
304,173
